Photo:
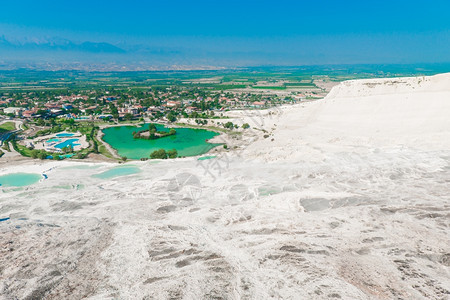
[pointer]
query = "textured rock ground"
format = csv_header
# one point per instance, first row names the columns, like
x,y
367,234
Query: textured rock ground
x,y
300,217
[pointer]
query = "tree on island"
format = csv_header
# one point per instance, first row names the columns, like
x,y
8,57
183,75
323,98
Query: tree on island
x,y
152,133
152,128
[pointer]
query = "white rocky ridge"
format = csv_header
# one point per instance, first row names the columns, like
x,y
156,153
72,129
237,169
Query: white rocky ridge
x,y
364,114
348,197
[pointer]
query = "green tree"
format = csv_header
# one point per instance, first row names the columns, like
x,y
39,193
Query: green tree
x,y
81,155
94,146
171,117
159,154
70,121
41,112
114,111
34,153
229,125
40,122
245,126
172,153
152,127
42,155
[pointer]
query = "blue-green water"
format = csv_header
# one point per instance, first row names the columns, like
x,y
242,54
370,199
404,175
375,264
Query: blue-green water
x,y
61,156
67,143
118,171
206,157
19,179
81,167
53,140
187,141
64,134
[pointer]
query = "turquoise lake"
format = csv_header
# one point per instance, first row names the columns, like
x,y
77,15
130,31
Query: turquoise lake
x,y
19,179
187,141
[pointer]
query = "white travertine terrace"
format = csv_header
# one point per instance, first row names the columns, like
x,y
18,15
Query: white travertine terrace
x,y
349,200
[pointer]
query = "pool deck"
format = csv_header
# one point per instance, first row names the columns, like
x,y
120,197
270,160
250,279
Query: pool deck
x,y
40,142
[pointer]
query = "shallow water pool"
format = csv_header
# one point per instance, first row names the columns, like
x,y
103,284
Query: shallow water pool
x,y
118,171
206,157
19,179
81,167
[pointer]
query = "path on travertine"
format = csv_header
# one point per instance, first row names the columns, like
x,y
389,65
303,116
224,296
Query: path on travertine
x,y
108,146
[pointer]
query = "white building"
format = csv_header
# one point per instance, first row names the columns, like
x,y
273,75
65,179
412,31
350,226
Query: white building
x,y
13,110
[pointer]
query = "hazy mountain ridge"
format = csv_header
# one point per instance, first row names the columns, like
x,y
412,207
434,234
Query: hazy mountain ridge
x,y
64,54
59,44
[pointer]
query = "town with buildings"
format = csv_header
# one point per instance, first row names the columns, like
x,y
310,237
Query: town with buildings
x,y
68,123
155,104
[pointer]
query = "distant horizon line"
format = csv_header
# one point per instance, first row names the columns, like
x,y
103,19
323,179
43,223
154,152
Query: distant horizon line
x,y
103,67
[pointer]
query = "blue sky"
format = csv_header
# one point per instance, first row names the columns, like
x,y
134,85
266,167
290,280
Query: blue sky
x,y
257,32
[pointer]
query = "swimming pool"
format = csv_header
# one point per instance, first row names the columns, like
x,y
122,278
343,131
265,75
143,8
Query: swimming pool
x,y
83,118
64,134
53,140
67,143
61,156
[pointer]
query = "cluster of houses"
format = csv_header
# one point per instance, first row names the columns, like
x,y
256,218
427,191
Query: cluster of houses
x,y
84,107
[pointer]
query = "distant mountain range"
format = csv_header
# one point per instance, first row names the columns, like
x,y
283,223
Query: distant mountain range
x,y
58,44
59,53
65,54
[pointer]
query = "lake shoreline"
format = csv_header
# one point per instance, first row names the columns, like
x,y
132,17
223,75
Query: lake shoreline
x,y
117,151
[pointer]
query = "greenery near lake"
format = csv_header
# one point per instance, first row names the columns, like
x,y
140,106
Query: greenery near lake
x,y
187,141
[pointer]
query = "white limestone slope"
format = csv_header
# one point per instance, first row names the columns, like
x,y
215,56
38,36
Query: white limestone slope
x,y
352,201
396,112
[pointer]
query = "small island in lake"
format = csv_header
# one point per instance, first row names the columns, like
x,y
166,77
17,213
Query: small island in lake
x,y
152,133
